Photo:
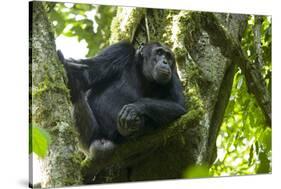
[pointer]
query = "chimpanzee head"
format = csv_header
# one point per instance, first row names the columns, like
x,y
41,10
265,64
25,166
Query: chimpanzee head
x,y
158,62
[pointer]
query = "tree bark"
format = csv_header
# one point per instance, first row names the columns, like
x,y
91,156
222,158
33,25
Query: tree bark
x,y
231,49
50,107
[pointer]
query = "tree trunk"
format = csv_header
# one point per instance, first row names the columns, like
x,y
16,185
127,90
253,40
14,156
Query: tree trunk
x,y
50,105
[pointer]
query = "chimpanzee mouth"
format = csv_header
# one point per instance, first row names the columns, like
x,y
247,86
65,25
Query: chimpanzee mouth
x,y
164,73
163,77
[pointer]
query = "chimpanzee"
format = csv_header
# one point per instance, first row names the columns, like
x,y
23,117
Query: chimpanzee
x,y
123,92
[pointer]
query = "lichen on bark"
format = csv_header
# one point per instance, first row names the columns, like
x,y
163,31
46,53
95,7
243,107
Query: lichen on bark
x,y
124,24
50,105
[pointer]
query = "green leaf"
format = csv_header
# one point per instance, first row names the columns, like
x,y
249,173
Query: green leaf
x,y
197,172
265,163
257,147
39,141
84,7
266,139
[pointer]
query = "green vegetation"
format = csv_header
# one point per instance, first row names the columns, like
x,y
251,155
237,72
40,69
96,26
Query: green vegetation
x,y
39,141
244,141
86,22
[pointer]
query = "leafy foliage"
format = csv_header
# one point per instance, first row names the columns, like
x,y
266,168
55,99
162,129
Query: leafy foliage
x,y
249,46
244,141
83,21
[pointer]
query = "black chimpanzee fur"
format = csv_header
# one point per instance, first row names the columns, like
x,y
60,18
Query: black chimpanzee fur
x,y
122,93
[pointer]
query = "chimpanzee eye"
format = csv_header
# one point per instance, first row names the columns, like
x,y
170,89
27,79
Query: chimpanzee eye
x,y
160,52
168,56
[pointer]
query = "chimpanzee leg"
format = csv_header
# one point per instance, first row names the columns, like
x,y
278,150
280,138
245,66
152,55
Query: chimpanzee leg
x,y
91,139
85,121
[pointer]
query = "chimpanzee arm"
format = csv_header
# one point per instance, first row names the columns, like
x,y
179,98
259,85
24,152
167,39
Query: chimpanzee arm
x,y
104,68
164,111
77,77
110,63
72,63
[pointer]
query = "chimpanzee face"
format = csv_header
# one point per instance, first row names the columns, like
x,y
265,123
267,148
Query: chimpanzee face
x,y
158,63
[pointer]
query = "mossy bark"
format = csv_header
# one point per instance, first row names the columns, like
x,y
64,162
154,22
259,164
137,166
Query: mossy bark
x,y
50,107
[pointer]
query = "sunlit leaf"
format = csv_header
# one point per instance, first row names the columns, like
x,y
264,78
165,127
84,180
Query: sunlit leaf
x,y
240,82
39,140
266,139
197,172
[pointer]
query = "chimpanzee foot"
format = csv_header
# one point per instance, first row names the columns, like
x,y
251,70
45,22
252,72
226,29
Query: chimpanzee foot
x,y
101,149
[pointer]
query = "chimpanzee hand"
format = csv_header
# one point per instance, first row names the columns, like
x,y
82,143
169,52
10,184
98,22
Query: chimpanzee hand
x,y
129,120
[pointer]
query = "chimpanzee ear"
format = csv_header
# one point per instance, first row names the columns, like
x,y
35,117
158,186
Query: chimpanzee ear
x,y
140,50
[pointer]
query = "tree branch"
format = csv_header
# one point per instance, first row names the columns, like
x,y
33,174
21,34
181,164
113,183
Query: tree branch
x,y
231,49
257,40
131,151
